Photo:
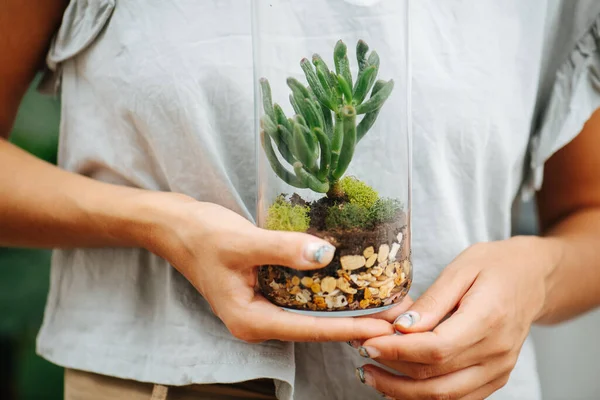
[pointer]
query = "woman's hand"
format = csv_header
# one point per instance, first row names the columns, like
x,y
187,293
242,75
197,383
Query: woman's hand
x,y
219,251
496,291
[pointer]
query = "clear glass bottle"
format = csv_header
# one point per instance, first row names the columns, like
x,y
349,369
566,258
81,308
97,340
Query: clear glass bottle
x,y
334,148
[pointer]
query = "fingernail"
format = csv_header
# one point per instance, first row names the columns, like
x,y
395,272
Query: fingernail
x,y
363,376
354,344
407,319
368,352
317,252
360,374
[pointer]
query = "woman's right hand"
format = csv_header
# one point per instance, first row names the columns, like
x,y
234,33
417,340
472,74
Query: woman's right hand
x,y
219,251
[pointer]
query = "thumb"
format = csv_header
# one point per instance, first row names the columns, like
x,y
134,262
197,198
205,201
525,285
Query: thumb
x,y
291,249
437,301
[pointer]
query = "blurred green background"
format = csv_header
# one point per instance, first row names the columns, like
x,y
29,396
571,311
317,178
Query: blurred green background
x,y
24,273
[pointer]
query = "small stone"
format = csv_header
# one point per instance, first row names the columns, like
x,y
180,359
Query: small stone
x,y
307,281
390,270
400,237
351,263
371,261
295,290
384,251
274,285
379,284
368,252
340,301
385,290
300,298
329,301
345,287
316,288
399,279
376,271
364,303
295,281
320,302
394,251
328,284
406,267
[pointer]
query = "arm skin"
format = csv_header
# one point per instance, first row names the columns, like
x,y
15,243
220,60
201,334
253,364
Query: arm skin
x,y
569,211
33,214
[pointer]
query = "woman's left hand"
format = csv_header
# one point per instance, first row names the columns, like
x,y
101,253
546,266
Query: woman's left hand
x,y
496,290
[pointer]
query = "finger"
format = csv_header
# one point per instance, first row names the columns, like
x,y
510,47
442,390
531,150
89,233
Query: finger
x,y
439,300
453,386
486,390
388,315
423,347
481,352
262,320
393,313
290,249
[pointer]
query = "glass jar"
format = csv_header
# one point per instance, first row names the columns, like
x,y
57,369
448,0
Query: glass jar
x,y
334,148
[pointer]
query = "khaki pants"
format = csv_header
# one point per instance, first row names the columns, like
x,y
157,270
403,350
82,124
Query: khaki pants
x,y
81,385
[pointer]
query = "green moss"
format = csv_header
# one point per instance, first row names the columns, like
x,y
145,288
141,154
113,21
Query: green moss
x,y
283,216
384,210
347,216
358,192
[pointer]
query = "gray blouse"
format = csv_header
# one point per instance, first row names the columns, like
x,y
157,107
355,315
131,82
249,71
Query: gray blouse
x,y
153,92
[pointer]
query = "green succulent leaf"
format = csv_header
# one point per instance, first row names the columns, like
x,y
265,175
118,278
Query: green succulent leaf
x,y
284,144
310,180
266,97
364,83
301,149
342,65
376,100
345,88
325,145
374,59
276,166
322,67
280,117
361,55
369,119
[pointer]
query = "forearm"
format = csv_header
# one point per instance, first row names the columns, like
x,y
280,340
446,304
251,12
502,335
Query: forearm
x,y
573,279
44,206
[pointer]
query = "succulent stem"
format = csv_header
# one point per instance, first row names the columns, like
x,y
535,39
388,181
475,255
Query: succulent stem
x,y
349,118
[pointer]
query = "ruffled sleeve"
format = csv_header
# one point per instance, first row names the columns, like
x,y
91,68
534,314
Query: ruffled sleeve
x,y
82,23
570,92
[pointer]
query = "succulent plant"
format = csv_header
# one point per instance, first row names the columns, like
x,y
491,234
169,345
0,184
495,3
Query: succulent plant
x,y
319,141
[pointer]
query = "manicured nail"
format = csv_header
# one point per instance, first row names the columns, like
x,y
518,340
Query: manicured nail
x,y
317,252
360,374
368,352
364,376
407,319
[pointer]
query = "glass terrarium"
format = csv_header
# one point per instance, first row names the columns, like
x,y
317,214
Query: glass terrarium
x,y
334,151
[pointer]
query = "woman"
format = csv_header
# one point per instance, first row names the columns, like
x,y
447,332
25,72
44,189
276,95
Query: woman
x,y
156,170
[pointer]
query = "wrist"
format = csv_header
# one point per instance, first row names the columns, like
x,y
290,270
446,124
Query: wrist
x,y
547,253
149,219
